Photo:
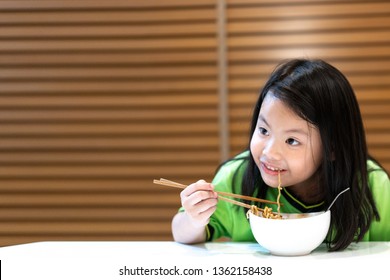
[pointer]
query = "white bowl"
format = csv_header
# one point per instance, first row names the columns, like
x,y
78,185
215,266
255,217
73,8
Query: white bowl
x,y
294,235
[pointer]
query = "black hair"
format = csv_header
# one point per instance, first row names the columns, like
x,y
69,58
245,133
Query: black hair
x,y
320,94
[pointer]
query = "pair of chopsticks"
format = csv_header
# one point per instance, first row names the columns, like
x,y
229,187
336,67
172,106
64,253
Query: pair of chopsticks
x,y
221,195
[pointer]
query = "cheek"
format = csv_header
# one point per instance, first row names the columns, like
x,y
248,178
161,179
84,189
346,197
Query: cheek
x,y
255,146
306,164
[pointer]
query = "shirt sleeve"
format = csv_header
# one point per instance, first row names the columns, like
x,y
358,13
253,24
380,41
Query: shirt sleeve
x,y
380,187
228,221
220,220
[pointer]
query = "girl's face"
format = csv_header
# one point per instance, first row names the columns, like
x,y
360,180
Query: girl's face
x,y
282,141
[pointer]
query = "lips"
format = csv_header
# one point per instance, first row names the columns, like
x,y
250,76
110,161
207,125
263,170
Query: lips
x,y
270,169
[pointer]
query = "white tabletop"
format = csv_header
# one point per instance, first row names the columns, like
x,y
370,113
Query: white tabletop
x,y
116,260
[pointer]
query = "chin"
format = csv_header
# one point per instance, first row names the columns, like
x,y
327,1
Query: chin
x,y
271,182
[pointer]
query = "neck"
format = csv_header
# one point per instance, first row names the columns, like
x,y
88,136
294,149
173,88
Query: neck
x,y
307,193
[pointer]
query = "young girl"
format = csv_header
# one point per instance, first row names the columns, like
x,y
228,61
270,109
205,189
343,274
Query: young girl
x,y
306,126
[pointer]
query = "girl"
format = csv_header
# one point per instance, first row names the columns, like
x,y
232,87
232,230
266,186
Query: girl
x,y
307,126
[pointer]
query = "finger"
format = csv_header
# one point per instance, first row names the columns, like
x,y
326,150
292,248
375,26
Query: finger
x,y
203,218
198,186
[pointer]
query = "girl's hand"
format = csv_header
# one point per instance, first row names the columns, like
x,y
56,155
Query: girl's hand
x,y
199,201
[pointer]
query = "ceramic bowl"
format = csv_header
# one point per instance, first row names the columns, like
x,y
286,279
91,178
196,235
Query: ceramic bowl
x,y
294,235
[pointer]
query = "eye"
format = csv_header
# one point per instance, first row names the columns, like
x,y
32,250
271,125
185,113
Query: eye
x,y
263,131
292,142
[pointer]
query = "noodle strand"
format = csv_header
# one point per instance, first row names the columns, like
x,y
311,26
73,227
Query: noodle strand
x,y
279,192
267,212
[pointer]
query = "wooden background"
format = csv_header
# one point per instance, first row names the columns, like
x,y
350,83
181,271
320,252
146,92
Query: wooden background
x,y
98,98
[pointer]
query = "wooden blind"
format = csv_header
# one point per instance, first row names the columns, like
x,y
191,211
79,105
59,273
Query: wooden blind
x,y
98,98
352,35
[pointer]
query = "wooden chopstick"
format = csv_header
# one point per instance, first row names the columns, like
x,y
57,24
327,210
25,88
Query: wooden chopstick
x,y
166,182
181,186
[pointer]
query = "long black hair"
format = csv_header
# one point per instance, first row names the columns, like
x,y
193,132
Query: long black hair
x,y
320,94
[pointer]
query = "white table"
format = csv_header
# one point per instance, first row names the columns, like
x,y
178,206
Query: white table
x,y
116,260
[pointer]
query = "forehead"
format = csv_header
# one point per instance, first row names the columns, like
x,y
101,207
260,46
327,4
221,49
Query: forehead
x,y
274,106
278,115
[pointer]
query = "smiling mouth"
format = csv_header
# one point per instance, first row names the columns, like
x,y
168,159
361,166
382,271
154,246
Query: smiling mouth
x,y
271,168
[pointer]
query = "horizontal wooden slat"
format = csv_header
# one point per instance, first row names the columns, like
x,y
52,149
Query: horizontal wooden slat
x,y
106,86
107,157
189,99
319,24
81,214
109,171
107,115
90,4
108,73
72,32
101,185
150,44
114,129
88,200
376,124
324,9
129,236
111,143
123,4
286,40
42,59
63,229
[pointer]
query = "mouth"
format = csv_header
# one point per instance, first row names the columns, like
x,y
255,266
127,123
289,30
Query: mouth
x,y
270,169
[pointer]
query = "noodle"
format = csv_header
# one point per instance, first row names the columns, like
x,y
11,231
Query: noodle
x,y
279,192
267,212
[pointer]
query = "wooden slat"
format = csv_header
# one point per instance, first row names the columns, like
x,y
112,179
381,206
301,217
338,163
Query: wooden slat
x,y
150,44
94,214
306,25
63,32
103,58
81,228
98,185
106,115
298,39
111,143
98,129
91,4
105,171
105,86
127,236
108,73
76,101
88,200
324,9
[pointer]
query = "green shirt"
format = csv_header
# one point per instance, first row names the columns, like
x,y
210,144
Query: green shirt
x,y
229,221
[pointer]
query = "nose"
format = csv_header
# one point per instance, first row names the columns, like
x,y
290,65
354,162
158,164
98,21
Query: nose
x,y
272,150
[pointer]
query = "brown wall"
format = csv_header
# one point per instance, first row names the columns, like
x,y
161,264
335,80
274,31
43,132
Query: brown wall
x,y
98,98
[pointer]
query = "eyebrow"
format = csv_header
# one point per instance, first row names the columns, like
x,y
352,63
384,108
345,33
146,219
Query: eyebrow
x,y
293,130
